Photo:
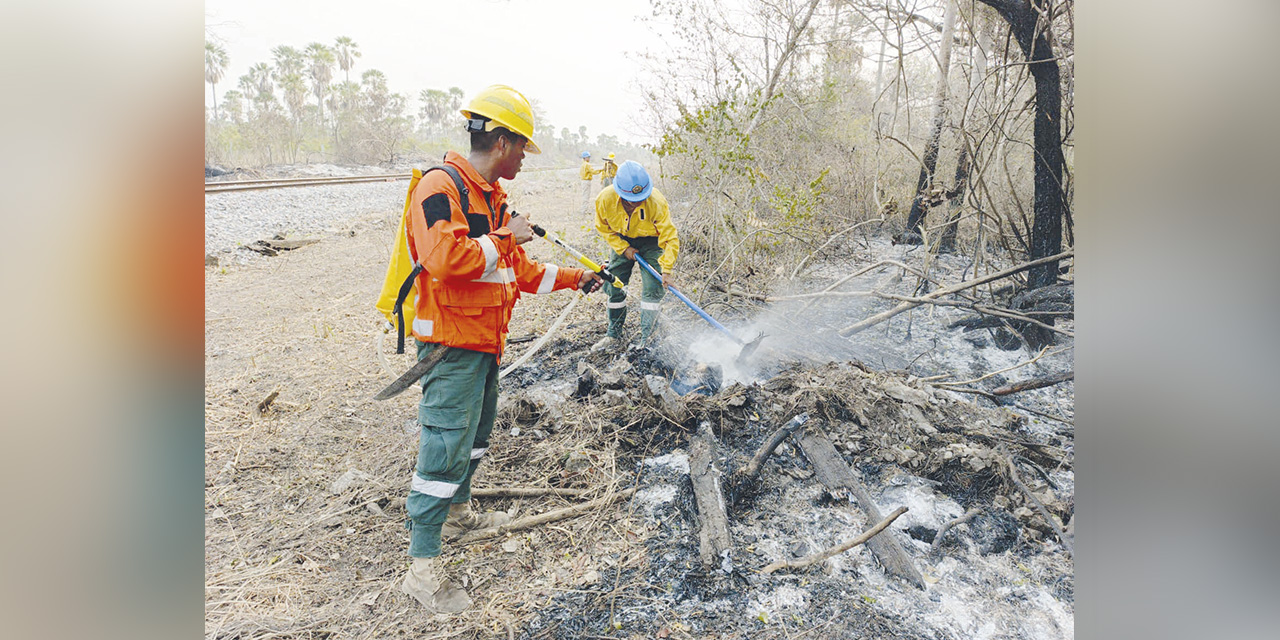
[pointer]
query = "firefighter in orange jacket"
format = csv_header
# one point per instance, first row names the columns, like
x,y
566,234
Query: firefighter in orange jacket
x,y
474,272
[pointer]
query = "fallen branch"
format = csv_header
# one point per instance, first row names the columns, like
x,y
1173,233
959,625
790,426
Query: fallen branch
x,y
937,539
829,241
525,492
833,472
550,516
757,461
999,312
1005,370
546,336
956,288
836,550
1044,513
1034,383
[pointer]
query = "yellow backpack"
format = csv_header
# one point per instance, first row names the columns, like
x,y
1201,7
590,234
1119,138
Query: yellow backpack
x,y
400,286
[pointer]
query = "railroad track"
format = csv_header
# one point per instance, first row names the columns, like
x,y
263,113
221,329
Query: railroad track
x,y
279,183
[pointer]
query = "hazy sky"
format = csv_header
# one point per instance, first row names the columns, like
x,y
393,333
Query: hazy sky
x,y
578,58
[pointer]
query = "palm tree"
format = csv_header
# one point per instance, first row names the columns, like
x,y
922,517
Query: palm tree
x,y
347,51
288,60
215,66
455,98
321,73
260,79
435,106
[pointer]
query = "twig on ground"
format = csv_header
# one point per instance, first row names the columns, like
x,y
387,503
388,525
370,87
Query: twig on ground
x,y
550,516
937,539
525,492
555,326
833,237
1044,513
838,549
1038,356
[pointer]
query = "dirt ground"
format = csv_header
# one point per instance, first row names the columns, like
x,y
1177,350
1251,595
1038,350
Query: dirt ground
x,y
305,492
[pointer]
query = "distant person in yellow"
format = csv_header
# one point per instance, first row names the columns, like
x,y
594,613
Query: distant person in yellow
x,y
633,217
588,174
609,171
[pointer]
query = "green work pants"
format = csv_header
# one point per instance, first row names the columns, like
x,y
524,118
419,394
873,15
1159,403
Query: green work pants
x,y
457,410
651,291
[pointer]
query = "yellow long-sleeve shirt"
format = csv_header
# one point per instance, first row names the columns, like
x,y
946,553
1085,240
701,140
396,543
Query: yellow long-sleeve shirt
x,y
651,218
586,173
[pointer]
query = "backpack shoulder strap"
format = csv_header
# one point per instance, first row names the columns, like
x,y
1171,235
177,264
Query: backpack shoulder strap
x,y
464,200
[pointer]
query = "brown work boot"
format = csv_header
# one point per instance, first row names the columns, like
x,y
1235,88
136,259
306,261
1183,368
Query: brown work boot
x,y
463,519
425,581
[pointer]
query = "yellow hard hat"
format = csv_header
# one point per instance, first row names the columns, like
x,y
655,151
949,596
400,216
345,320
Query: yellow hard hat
x,y
504,107
609,157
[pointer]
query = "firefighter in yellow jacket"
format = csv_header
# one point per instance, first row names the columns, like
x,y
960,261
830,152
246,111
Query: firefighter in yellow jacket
x,y
608,171
474,271
633,217
588,174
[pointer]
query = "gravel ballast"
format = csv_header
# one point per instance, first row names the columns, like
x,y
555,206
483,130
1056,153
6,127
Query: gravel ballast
x,y
235,219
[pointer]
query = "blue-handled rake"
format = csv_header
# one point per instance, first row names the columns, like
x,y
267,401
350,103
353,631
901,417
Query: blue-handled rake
x,y
747,347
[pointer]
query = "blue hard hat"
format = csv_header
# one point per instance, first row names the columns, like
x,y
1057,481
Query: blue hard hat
x,y
632,182
586,154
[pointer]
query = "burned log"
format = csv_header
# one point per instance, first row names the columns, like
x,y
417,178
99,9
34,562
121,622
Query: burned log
x,y
713,535
836,475
1034,383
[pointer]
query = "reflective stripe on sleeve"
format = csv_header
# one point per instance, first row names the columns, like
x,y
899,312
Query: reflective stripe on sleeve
x,y
652,306
423,327
548,279
477,453
490,253
433,488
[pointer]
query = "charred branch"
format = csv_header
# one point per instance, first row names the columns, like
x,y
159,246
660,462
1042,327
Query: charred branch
x,y
836,475
1034,383
836,550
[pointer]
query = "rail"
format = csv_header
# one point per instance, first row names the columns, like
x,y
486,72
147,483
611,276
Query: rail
x,y
278,183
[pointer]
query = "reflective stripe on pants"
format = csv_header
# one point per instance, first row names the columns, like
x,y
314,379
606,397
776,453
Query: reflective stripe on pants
x,y
456,414
651,291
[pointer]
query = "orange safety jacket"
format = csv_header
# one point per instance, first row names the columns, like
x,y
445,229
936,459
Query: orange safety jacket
x,y
473,270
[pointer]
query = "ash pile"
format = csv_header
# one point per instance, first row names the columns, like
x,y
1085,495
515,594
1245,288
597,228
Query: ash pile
x,y
746,497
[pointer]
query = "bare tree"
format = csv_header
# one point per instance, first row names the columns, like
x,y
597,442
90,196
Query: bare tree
x,y
1030,23
929,160
978,70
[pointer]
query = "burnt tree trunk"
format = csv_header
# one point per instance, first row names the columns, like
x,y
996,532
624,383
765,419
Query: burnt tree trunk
x,y
1050,205
929,161
948,243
